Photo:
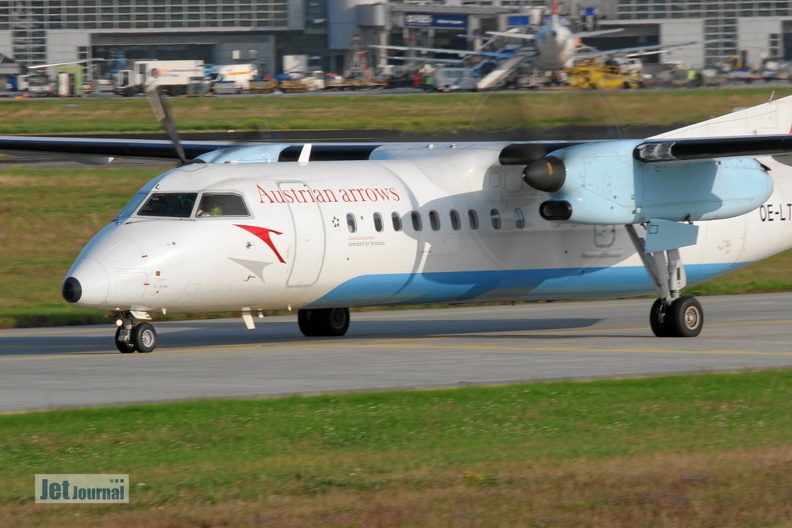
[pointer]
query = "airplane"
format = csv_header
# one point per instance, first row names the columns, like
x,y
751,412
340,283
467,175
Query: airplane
x,y
553,48
554,43
320,228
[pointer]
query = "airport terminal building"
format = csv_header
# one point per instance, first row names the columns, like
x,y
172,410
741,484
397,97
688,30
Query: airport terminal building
x,y
222,31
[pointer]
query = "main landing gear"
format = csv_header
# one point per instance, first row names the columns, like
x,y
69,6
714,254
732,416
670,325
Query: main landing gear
x,y
323,322
134,337
672,315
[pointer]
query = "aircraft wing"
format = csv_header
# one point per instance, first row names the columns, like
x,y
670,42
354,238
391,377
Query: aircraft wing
x,y
584,34
522,36
55,64
106,148
531,36
652,150
424,59
689,149
461,53
637,51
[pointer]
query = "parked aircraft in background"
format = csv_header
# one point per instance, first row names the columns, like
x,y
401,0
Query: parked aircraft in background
x,y
322,228
553,47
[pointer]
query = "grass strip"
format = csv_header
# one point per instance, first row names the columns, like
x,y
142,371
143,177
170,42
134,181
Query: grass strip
x,y
699,450
441,113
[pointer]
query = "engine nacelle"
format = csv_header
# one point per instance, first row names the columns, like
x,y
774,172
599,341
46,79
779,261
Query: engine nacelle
x,y
602,183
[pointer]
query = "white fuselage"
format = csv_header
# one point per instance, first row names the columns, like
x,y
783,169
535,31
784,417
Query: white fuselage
x,y
441,223
555,45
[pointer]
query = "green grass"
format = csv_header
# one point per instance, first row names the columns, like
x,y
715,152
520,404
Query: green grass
x,y
304,458
48,215
439,113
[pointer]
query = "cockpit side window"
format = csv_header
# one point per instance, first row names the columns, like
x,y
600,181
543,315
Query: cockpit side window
x,y
221,204
132,206
174,205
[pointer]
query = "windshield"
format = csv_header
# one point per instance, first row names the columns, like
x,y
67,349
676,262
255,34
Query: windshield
x,y
130,208
170,204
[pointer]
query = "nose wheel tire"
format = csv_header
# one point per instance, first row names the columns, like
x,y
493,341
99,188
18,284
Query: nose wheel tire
x,y
125,347
682,318
142,338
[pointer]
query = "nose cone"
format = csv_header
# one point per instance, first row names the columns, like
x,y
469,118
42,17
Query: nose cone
x,y
71,290
87,285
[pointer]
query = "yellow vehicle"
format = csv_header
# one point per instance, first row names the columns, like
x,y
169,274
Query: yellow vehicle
x,y
293,86
262,86
591,74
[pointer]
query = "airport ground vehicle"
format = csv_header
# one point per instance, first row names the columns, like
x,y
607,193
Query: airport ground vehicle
x,y
448,79
262,86
232,78
176,77
594,74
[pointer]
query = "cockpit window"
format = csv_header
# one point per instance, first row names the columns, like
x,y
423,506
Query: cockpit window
x,y
221,204
130,208
174,205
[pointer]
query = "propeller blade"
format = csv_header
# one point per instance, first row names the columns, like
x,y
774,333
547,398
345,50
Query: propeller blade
x,y
163,116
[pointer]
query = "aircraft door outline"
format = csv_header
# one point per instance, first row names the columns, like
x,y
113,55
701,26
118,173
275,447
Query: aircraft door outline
x,y
309,239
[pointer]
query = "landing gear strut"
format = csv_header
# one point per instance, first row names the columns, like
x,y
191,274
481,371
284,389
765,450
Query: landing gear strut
x,y
672,315
324,322
134,337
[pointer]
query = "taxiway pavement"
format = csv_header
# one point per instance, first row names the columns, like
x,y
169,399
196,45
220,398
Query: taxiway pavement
x,y
43,368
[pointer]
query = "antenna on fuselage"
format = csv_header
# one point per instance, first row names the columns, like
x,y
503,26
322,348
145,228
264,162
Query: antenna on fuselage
x,y
163,116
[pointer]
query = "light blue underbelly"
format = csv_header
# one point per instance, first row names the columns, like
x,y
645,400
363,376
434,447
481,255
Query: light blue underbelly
x,y
505,285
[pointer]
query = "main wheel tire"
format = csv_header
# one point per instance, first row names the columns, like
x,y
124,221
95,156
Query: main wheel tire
x,y
336,322
326,322
144,337
307,321
660,328
686,317
125,347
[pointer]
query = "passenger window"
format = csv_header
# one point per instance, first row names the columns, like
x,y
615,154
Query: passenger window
x,y
456,223
378,222
434,220
473,219
174,205
221,204
396,220
415,216
495,217
519,218
351,223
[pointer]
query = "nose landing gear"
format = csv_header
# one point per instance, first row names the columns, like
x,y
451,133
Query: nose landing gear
x,y
134,337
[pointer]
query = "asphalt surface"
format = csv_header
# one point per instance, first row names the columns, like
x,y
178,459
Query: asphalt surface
x,y
43,368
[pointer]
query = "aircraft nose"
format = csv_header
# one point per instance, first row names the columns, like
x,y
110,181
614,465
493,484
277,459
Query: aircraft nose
x,y
71,290
87,285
